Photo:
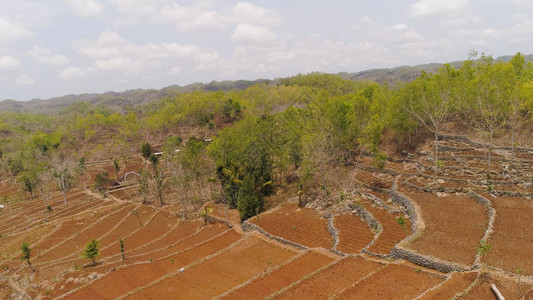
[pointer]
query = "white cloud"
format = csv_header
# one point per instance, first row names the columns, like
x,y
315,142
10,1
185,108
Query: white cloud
x,y
10,31
108,44
85,8
71,72
244,12
399,26
46,56
137,7
24,80
425,8
113,53
253,35
8,62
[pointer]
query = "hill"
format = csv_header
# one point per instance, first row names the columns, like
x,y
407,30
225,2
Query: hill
x,y
121,101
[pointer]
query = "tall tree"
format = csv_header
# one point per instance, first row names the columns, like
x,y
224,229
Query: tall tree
x,y
429,99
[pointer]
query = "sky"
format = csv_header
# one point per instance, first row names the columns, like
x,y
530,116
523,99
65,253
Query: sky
x,y
51,48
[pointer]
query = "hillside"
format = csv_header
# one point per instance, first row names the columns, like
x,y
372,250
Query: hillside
x,y
122,101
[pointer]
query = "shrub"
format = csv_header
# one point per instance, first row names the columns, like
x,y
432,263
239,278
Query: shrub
x,y
146,150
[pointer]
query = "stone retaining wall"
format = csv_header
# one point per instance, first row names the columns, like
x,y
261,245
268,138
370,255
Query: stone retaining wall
x,y
492,215
246,226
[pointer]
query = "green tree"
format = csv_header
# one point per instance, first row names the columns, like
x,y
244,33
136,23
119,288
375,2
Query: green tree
x,y
429,99
91,250
249,200
26,254
146,150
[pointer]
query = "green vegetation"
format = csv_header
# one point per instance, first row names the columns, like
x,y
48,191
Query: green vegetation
x,y
91,251
263,137
26,254
121,242
483,248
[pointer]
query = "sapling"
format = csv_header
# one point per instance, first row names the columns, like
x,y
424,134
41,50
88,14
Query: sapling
x,y
121,242
91,251
520,272
26,254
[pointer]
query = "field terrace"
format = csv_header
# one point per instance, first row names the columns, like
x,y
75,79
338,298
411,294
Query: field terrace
x,y
289,252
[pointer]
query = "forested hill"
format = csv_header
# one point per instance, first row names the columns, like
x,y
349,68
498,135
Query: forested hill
x,y
122,101
408,73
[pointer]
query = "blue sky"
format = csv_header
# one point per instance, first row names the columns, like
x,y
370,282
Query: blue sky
x,y
56,47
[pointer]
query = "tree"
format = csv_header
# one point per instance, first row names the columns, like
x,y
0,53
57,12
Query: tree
x,y
26,254
491,90
116,167
91,250
429,99
63,174
146,150
249,200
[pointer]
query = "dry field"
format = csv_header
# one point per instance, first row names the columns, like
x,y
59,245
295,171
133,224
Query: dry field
x,y
340,257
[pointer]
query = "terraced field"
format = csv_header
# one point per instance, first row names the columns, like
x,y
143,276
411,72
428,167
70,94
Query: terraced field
x,y
394,237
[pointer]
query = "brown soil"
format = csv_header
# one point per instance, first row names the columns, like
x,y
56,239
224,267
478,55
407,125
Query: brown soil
x,y
282,277
129,225
5,291
126,279
301,225
377,180
507,287
331,280
392,282
158,226
220,273
457,283
354,233
512,234
392,232
77,243
180,232
453,222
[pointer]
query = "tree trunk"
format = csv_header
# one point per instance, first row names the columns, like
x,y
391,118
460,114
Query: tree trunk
x,y
490,149
436,149
64,197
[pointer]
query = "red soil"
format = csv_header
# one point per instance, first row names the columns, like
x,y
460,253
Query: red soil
x,y
220,273
178,233
126,279
454,222
5,291
508,288
282,277
129,225
77,243
392,282
391,234
354,234
300,225
457,283
332,280
158,226
205,234
512,234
